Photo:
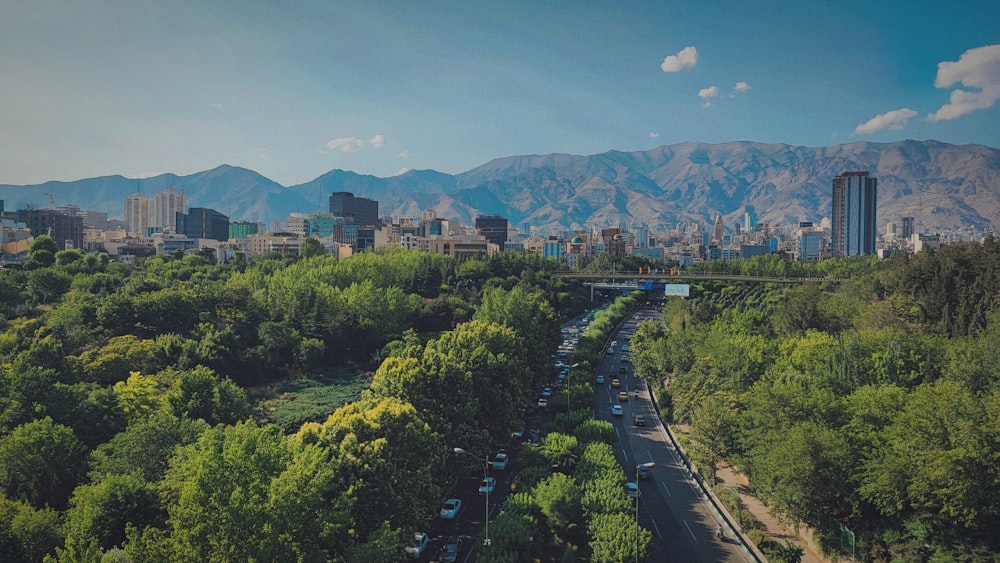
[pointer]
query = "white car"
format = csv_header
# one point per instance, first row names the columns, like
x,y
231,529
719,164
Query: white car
x,y
543,402
600,379
487,485
500,461
616,410
416,550
451,508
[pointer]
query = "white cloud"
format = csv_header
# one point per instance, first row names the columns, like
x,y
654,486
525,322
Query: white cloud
x,y
977,68
654,134
346,144
709,92
707,105
894,119
378,141
215,106
404,154
685,58
741,87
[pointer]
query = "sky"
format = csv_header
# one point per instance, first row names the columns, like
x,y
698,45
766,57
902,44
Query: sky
x,y
294,89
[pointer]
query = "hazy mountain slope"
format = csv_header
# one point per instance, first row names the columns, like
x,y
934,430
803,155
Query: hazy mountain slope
x,y
941,185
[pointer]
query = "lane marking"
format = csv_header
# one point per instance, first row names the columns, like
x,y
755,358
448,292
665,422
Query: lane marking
x,y
658,534
689,531
666,490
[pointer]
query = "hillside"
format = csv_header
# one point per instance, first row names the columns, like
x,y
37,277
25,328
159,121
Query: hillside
x,y
943,186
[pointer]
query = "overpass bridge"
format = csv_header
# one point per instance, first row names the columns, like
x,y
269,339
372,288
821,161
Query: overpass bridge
x,y
671,284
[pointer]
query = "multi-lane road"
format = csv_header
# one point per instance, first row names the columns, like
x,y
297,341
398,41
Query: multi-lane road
x,y
672,504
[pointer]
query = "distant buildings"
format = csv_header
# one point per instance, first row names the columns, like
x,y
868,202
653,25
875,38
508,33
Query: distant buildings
x,y
853,229
494,228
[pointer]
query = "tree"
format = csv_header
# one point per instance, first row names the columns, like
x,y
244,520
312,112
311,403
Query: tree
x,y
529,315
393,461
145,445
198,393
311,246
27,534
100,511
558,496
48,284
42,252
40,463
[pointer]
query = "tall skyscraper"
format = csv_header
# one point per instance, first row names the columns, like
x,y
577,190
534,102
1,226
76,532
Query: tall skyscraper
x,y
137,213
908,229
853,228
166,205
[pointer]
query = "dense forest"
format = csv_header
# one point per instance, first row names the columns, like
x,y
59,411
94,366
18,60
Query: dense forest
x,y
135,426
136,403
868,407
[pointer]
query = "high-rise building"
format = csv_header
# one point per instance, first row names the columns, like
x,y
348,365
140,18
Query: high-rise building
x,y
165,207
718,230
137,213
853,228
356,210
907,228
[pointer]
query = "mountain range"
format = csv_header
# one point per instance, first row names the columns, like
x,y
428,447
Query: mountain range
x,y
943,186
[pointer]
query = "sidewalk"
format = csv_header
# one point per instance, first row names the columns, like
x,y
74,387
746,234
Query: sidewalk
x,y
775,529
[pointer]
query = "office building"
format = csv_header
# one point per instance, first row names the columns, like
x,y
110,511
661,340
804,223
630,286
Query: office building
x,y
494,228
202,222
66,229
137,214
853,227
356,210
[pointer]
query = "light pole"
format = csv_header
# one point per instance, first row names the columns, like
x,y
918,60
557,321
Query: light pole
x,y
486,475
647,465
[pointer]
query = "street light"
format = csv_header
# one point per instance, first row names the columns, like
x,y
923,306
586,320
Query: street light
x,y
647,465
486,474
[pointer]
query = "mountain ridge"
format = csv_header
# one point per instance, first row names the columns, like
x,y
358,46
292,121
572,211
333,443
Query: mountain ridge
x,y
944,186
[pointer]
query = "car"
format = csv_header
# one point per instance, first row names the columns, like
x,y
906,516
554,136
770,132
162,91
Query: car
x,y
632,489
640,420
450,549
642,471
616,383
517,434
536,435
600,379
625,358
623,395
500,461
616,410
487,485
622,370
547,392
420,544
451,508
543,402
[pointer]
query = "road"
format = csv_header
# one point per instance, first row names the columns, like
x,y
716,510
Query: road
x,y
671,504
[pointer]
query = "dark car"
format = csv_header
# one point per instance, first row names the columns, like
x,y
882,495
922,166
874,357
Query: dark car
x,y
642,471
449,552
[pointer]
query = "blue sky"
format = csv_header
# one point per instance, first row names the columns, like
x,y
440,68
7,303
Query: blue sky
x,y
295,89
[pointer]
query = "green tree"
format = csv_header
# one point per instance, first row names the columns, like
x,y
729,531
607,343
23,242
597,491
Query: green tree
x,y
558,496
100,511
311,246
40,463
42,252
27,534
198,393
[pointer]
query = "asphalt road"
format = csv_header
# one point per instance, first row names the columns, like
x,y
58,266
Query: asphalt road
x,y
671,504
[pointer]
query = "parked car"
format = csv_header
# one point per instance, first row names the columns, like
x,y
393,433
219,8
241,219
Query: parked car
x,y
616,410
487,485
517,434
451,508
450,549
622,370
536,435
500,461
420,544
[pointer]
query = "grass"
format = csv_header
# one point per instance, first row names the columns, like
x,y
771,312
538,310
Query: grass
x,y
311,398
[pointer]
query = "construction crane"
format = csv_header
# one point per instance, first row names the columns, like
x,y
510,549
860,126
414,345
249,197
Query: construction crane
x,y
52,199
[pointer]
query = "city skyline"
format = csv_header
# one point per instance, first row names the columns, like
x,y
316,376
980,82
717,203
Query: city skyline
x,y
294,91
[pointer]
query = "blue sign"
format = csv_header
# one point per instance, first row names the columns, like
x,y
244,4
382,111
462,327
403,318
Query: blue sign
x,y
678,289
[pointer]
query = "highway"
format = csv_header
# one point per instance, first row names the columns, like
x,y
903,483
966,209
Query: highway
x,y
671,504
